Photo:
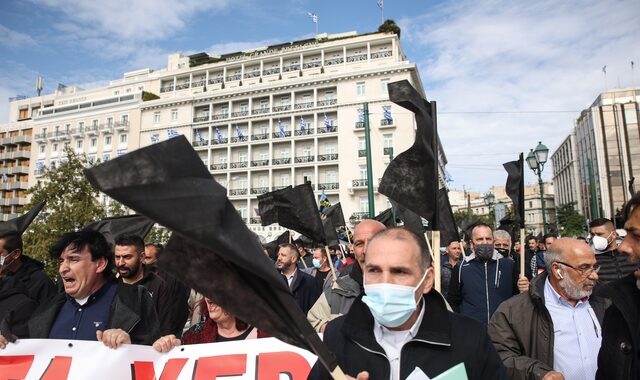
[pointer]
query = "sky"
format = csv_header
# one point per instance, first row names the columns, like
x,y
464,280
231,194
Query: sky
x,y
505,74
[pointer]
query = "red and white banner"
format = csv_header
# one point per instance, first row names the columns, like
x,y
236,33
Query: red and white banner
x,y
53,359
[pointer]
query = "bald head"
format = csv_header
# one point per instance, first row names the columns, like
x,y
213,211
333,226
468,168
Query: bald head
x,y
573,268
566,248
364,231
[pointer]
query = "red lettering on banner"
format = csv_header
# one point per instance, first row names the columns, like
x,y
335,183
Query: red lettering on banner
x,y
270,365
15,367
145,371
58,369
211,367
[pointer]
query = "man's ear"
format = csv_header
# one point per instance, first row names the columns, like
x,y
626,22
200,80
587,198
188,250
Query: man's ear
x,y
428,281
101,264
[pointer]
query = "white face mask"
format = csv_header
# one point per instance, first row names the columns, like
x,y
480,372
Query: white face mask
x,y
600,243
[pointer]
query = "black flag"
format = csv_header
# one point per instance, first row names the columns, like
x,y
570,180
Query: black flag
x,y
386,218
211,249
332,220
448,227
20,224
410,179
116,225
515,187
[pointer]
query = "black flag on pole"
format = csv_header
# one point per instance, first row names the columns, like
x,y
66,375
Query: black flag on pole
x,y
448,227
116,225
20,224
515,187
211,249
332,220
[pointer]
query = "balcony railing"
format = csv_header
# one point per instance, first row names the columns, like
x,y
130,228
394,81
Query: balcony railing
x,y
218,141
39,172
198,83
237,191
302,106
239,164
358,216
360,183
238,139
182,86
260,163
357,58
359,125
219,116
282,108
288,68
260,136
281,161
387,150
218,166
166,88
384,122
302,159
281,135
252,74
259,111
328,157
234,77
381,54
327,102
259,190
362,152
255,220
198,143
329,186
40,136
275,70
199,119
216,80
333,61
329,129
279,187
304,132
311,65
240,113
121,125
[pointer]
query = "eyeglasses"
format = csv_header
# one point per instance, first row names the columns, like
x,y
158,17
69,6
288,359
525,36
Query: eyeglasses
x,y
585,270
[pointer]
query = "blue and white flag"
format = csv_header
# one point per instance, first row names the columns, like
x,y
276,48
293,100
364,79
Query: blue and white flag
x,y
5,179
381,4
200,138
239,133
386,113
155,138
447,177
302,124
361,115
121,152
219,135
172,133
39,165
281,130
327,124
314,17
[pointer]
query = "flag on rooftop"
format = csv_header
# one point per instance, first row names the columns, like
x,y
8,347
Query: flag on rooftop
x,y
380,4
314,17
200,138
172,133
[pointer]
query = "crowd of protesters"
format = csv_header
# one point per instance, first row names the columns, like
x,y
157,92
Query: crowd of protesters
x,y
573,314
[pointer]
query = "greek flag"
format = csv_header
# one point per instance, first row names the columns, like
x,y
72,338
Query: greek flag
x,y
314,17
5,179
327,124
282,132
386,113
39,165
219,135
121,152
302,124
447,177
381,4
200,138
155,138
171,133
239,133
361,115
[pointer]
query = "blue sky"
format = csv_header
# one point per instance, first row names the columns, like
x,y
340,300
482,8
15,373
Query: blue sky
x,y
505,73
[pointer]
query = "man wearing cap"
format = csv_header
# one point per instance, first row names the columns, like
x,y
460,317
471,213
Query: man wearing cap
x,y
93,306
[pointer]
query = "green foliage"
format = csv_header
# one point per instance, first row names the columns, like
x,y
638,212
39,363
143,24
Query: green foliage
x,y
71,203
570,222
389,26
146,96
116,208
158,234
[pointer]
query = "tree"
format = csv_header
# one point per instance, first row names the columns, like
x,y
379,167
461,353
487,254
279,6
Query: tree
x,y
389,26
570,221
158,234
71,203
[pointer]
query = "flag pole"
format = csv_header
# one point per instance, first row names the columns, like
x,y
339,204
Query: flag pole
x,y
333,270
435,238
367,141
435,225
522,258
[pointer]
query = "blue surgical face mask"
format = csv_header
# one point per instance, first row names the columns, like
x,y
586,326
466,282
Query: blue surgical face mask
x,y
316,263
391,305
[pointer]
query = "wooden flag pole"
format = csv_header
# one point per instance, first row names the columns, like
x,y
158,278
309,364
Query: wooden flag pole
x,y
435,258
522,255
333,270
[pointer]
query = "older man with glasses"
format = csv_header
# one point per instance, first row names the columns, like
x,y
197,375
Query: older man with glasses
x,y
553,330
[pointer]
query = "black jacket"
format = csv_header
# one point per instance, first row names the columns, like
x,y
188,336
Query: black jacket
x,y
131,310
164,302
16,307
304,290
613,266
444,340
618,358
32,275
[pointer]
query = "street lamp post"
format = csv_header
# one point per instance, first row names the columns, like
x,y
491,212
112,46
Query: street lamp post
x,y
536,160
489,200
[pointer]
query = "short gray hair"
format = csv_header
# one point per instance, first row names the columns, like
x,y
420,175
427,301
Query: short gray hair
x,y
501,234
551,256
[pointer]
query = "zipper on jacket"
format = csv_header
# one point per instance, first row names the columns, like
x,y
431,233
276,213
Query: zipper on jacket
x,y
486,288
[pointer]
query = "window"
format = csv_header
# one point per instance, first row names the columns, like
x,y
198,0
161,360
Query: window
x,y
361,143
331,176
222,158
94,142
363,171
174,115
124,120
364,204
140,88
42,147
116,92
330,148
128,90
360,89
307,176
110,121
329,95
530,204
123,139
284,153
387,140
284,180
224,110
106,157
79,144
242,157
383,86
156,117
23,114
263,181
244,107
264,104
264,156
107,140
284,101
54,148
264,129
306,151
81,125
67,127
93,123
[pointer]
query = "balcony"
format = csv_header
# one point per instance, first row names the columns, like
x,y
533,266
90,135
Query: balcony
x,y
362,152
303,132
329,129
18,201
238,139
77,132
216,80
282,108
5,201
281,134
259,136
218,166
199,143
386,122
121,126
233,77
182,86
360,183
387,151
302,106
259,190
240,113
303,159
19,185
329,186
20,169
272,71
260,111
166,88
198,83
255,220
40,136
327,102
252,74
106,128
358,217
357,57
359,125
279,187
328,157
218,141
200,119
260,163
239,164
281,161
91,130
39,172
333,61
237,191
289,68
381,54
220,116
311,65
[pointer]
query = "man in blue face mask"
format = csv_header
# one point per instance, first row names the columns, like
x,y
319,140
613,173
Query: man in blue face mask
x,y
401,326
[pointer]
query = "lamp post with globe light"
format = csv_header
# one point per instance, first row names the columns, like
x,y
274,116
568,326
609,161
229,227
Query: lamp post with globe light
x,y
489,200
536,159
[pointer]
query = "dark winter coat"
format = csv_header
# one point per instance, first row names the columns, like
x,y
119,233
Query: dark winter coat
x,y
32,275
304,290
16,307
613,266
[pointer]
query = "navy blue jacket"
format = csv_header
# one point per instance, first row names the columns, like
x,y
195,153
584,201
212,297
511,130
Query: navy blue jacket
x,y
478,287
305,290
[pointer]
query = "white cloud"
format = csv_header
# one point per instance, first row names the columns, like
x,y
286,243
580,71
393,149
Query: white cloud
x,y
236,46
12,39
514,56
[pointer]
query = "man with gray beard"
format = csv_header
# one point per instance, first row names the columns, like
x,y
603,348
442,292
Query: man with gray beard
x,y
553,330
